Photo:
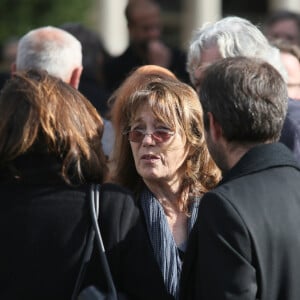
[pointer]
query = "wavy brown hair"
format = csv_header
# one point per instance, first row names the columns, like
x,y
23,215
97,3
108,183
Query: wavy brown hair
x,y
41,113
175,104
139,78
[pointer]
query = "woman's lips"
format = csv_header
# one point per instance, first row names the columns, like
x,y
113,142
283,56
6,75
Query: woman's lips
x,y
149,157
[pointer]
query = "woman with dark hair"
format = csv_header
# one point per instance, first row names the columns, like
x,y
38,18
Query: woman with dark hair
x,y
50,150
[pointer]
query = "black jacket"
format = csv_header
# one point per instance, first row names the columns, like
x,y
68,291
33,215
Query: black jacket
x,y
44,225
131,257
246,243
43,229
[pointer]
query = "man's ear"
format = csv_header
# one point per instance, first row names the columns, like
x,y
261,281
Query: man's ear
x,y
75,77
215,128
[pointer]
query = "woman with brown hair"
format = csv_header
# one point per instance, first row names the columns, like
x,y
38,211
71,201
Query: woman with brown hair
x,y
161,156
135,81
50,150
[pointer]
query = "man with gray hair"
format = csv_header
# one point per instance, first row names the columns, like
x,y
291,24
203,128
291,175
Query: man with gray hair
x,y
235,36
60,54
51,49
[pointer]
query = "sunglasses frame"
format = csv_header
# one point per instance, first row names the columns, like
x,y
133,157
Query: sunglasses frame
x,y
154,137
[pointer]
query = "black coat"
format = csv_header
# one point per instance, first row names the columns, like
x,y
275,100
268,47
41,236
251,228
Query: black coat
x,y
43,229
131,257
246,242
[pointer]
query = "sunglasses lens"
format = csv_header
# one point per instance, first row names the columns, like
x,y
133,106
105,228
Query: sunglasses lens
x,y
135,136
159,136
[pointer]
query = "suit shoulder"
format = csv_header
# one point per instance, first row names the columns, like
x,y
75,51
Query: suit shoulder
x,y
115,189
225,195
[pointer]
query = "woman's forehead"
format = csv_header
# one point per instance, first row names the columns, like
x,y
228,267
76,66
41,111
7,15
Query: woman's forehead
x,y
156,113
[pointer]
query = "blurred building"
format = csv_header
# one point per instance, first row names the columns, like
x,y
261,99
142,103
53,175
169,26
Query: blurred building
x,y
181,17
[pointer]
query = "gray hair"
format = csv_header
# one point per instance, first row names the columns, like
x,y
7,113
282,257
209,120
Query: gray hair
x,y
51,49
234,36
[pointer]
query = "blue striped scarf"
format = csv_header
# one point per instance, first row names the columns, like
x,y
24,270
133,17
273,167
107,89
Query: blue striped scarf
x,y
163,243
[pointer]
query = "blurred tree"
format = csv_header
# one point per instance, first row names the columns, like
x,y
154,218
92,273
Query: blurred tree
x,y
19,16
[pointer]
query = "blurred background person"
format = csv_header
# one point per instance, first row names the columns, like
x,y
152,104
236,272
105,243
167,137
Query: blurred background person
x,y
94,56
284,25
145,45
160,155
234,36
8,57
290,56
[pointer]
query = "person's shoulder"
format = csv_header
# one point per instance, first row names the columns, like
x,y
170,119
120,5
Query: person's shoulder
x,y
114,60
112,190
118,203
113,187
217,203
229,191
293,105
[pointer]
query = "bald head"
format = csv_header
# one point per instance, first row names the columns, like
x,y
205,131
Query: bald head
x,y
51,49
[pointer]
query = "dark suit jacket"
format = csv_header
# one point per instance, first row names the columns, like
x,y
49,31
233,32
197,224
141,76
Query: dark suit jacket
x,y
246,242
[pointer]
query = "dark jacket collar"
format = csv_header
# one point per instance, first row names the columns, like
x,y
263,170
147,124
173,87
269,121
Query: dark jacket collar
x,y
33,168
262,157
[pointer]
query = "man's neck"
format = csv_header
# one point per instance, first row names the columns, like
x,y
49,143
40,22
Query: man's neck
x,y
235,152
